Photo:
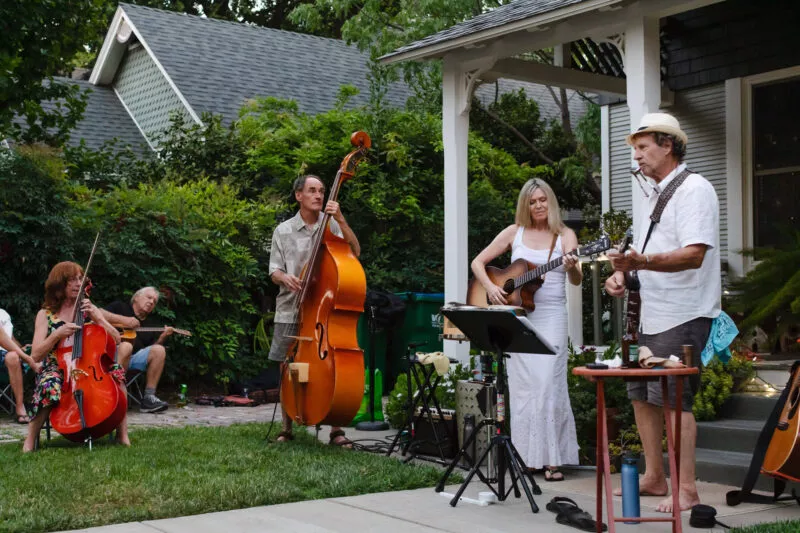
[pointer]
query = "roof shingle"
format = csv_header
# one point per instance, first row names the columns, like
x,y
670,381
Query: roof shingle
x,y
218,65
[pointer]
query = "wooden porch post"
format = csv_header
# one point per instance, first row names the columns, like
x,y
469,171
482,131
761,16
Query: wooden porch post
x,y
643,73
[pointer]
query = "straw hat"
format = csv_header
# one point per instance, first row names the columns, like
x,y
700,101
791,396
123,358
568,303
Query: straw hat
x,y
659,122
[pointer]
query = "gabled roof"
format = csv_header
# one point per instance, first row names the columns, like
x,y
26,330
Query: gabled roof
x,y
218,65
104,119
518,15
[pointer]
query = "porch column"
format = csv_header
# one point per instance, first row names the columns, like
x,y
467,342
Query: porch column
x,y
643,74
455,128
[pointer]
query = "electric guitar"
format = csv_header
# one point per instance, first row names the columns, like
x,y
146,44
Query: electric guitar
x,y
522,279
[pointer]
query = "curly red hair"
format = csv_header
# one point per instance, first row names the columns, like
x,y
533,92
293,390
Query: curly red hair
x,y
55,288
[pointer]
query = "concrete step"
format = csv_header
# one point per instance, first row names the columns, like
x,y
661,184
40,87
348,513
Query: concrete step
x,y
729,435
727,468
749,406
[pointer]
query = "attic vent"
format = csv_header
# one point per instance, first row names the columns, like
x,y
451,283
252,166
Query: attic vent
x,y
124,32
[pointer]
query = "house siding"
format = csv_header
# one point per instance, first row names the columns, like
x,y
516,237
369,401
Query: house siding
x,y
147,94
701,113
731,39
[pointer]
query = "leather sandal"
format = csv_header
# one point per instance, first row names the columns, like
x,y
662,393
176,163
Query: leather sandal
x,y
343,442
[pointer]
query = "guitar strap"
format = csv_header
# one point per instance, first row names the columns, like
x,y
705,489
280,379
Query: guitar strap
x,y
552,247
663,199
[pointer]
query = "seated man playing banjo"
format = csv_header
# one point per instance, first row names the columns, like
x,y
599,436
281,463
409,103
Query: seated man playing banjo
x,y
146,353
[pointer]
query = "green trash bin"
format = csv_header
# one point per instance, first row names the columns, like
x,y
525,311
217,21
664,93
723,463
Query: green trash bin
x,y
422,323
381,341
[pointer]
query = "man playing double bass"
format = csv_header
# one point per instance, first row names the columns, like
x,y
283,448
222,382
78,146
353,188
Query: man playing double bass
x,y
291,248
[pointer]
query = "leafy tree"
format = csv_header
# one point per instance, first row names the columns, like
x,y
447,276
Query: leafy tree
x,y
38,38
512,122
35,229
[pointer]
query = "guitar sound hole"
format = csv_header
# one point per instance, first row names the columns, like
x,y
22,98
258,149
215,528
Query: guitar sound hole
x,y
508,286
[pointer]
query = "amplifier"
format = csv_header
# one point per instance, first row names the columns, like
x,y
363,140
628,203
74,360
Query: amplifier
x,y
428,439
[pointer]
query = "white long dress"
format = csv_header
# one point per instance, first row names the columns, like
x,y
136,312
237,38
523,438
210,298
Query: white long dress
x,y
542,424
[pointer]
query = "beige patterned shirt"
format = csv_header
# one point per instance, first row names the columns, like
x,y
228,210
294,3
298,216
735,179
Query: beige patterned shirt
x,y
291,247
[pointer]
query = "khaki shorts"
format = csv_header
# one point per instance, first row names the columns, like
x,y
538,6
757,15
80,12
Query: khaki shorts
x,y
281,341
664,344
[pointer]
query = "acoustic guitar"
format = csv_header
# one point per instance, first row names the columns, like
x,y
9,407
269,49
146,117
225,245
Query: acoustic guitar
x,y
782,459
522,279
129,334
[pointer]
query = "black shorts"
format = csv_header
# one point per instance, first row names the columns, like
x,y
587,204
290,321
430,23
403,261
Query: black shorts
x,y
664,344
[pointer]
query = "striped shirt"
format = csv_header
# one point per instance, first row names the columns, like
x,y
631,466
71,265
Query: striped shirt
x,y
291,248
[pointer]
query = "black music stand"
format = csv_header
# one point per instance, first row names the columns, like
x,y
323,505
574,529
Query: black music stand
x,y
498,330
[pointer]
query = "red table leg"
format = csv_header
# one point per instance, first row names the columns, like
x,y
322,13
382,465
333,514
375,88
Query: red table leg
x,y
599,452
602,422
672,445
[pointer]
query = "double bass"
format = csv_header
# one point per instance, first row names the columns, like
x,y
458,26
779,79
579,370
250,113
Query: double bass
x,y
92,402
322,381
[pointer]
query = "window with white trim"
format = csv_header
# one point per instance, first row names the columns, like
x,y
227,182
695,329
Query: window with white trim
x,y
776,162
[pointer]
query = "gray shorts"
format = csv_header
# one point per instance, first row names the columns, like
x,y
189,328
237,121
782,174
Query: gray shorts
x,y
281,341
664,344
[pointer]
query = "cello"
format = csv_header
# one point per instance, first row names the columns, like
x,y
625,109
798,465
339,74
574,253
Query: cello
x,y
322,381
92,402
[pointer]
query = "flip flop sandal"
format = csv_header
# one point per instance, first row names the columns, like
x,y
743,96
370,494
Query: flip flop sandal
x,y
550,475
22,419
569,514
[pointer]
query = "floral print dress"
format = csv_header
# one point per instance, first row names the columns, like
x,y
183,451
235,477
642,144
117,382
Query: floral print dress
x,y
47,390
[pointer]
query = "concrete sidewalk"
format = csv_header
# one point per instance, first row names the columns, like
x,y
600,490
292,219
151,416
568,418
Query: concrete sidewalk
x,y
423,510
414,510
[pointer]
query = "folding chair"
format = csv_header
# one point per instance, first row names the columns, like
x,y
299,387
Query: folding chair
x,y
7,403
135,384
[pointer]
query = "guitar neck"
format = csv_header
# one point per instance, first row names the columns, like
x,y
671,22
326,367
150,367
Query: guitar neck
x,y
537,272
160,330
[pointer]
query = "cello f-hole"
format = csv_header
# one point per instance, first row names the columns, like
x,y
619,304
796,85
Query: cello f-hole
x,y
94,374
322,354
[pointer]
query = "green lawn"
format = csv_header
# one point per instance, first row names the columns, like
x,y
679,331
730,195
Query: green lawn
x,y
186,471
789,526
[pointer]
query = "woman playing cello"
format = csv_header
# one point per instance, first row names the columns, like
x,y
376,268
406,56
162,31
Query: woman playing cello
x,y
53,324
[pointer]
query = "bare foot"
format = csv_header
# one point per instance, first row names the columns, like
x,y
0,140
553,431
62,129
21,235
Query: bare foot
x,y
124,442
648,488
26,447
687,500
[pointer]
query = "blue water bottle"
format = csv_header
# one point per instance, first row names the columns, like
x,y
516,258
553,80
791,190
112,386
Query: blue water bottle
x,y
630,487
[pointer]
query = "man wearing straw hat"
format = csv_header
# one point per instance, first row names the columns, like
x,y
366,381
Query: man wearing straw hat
x,y
678,263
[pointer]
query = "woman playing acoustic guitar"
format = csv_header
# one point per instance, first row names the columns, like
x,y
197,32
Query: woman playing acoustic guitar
x,y
542,424
53,324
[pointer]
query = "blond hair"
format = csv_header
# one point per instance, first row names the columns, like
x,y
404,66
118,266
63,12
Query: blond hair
x,y
523,216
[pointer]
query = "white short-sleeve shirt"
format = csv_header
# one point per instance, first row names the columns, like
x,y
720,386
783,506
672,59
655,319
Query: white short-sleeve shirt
x,y
690,217
291,247
5,323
